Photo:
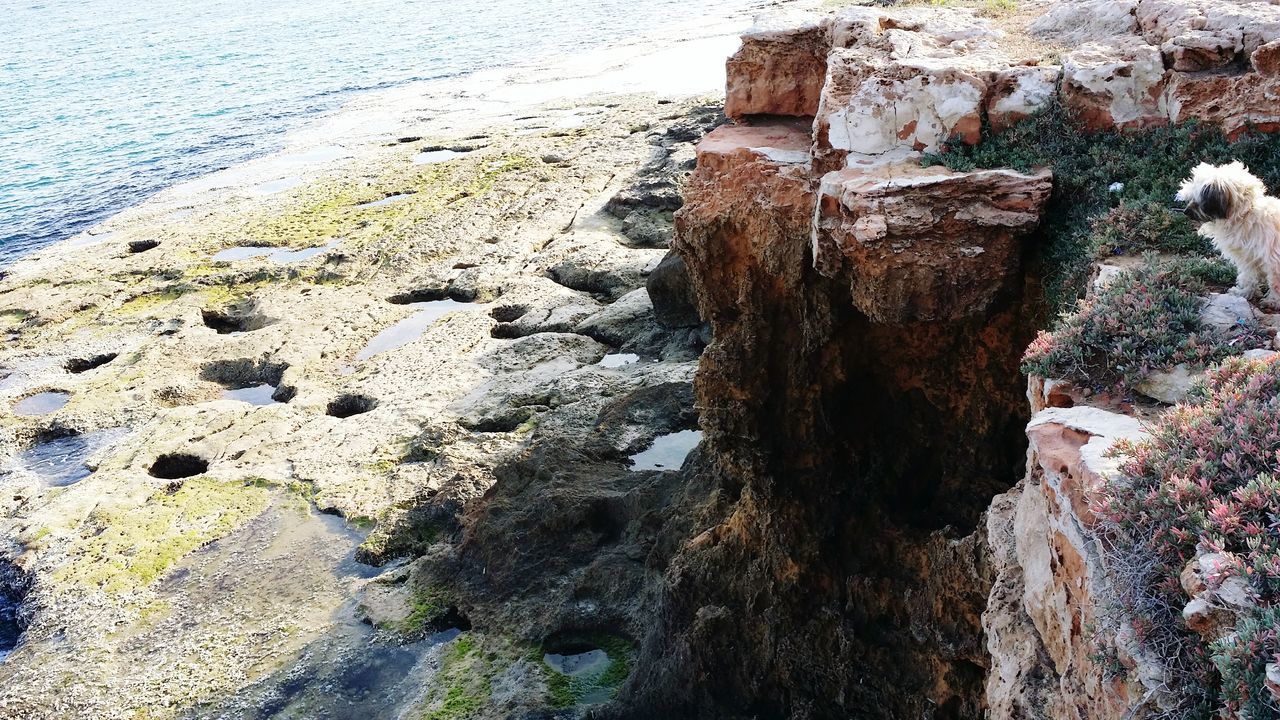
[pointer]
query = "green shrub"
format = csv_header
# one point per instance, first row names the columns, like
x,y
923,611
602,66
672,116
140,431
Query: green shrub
x,y
1241,659
1150,165
1205,480
1208,270
1134,228
1144,321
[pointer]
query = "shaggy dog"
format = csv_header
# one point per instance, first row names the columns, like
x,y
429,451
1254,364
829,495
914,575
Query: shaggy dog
x,y
1241,220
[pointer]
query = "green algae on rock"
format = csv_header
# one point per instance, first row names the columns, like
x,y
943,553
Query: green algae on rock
x,y
125,547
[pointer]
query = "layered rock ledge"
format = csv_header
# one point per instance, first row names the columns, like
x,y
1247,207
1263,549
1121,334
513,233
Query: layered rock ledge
x,y
861,398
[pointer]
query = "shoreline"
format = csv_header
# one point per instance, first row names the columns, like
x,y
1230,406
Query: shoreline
x,y
482,97
202,449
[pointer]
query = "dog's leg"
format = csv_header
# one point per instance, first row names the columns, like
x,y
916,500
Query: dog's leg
x,y
1247,276
1272,299
1248,279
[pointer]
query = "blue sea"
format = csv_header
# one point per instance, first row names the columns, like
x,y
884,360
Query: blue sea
x,y
103,102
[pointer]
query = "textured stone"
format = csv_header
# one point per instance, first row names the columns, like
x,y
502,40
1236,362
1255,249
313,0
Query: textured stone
x,y
1046,594
1115,83
1170,386
1206,620
1273,680
674,302
908,77
924,243
1235,102
780,68
1018,92
1073,23
1201,50
783,143
1253,22
793,590
621,320
1224,311
1266,59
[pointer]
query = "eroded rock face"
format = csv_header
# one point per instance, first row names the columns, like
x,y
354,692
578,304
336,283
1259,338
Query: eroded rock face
x,y
1044,619
861,397
877,80
1116,83
833,572
1159,61
923,243
779,69
914,78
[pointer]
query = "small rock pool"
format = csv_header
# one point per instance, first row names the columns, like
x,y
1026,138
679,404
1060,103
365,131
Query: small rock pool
x,y
667,452
412,327
63,461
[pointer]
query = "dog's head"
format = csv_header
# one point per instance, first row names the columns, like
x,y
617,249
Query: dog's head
x,y
1216,192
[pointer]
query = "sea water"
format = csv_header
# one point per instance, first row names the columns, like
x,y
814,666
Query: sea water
x,y
105,102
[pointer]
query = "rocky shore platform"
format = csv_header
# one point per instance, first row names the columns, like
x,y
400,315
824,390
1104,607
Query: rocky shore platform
x,y
230,416
577,392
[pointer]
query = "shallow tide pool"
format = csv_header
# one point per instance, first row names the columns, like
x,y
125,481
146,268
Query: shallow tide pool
x,y
41,403
64,461
667,452
255,395
412,327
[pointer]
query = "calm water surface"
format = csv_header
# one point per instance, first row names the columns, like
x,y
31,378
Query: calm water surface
x,y
104,102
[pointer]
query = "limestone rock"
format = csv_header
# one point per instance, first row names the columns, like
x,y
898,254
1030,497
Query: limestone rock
x,y
1206,620
1224,311
902,78
1234,102
1252,24
788,342
1048,392
1219,601
647,229
1191,579
1115,83
1235,593
1018,92
594,262
1074,23
1058,578
1266,59
924,243
1201,50
780,68
1260,354
621,320
1273,680
1170,386
674,302
1107,273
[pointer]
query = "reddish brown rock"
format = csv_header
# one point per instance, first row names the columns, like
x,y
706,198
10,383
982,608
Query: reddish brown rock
x,y
920,243
1117,83
1233,102
1191,579
1266,59
845,453
1201,50
1051,582
780,68
730,146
